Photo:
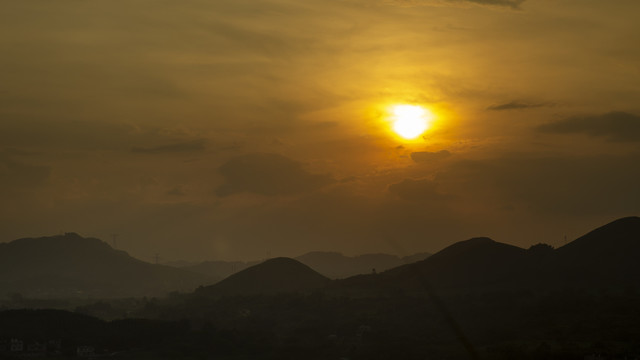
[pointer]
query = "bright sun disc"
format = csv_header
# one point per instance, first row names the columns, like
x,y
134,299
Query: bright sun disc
x,y
410,121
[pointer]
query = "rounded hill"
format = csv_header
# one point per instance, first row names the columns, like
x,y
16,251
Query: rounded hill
x,y
278,275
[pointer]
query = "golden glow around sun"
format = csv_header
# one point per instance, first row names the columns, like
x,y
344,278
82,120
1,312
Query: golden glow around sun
x,y
410,121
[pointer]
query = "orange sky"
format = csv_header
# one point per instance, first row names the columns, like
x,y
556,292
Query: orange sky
x,y
225,129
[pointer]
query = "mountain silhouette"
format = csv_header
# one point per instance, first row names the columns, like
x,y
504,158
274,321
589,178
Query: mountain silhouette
x,y
71,265
218,270
278,275
335,265
478,263
606,257
331,264
615,238
415,257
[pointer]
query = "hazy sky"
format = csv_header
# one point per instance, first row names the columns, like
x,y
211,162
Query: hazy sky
x,y
226,129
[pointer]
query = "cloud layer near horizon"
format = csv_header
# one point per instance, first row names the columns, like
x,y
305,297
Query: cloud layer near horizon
x,y
267,174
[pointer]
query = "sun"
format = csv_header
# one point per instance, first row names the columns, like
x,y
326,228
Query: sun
x,y
410,121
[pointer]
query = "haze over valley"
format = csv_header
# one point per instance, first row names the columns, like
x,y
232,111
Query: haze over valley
x,y
477,288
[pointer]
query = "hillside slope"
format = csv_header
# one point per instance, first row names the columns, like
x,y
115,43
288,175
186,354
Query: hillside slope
x,y
278,275
70,265
605,258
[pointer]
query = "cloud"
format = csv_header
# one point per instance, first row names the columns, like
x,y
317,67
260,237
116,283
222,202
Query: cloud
x,y
508,3
51,133
416,190
268,174
427,156
176,191
188,146
516,105
569,185
20,174
514,4
19,152
614,126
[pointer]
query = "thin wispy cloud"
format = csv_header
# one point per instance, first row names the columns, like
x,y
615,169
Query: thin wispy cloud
x,y
188,146
517,105
513,4
615,126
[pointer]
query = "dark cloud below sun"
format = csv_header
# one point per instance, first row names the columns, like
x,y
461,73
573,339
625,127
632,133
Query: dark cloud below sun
x,y
416,190
614,126
516,105
268,174
189,146
427,156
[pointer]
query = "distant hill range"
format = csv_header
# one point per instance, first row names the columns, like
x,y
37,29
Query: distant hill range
x,y
70,265
333,265
604,259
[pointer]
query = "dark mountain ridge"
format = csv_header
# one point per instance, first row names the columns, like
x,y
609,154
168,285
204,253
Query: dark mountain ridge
x,y
218,270
278,275
605,258
478,263
70,265
510,303
336,265
615,238
331,264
